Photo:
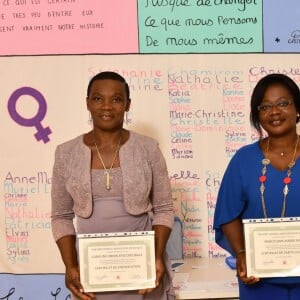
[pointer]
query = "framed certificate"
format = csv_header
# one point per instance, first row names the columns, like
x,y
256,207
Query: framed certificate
x,y
117,261
272,247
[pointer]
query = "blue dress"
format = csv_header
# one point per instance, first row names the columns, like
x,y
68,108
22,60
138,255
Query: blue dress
x,y
239,196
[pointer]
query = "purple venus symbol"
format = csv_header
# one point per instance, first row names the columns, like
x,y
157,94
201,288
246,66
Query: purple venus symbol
x,y
42,133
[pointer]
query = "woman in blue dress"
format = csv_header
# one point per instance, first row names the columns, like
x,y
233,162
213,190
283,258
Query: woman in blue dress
x,y
262,180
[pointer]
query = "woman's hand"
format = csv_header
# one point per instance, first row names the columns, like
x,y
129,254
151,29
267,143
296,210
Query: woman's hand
x,y
234,233
160,271
242,269
74,285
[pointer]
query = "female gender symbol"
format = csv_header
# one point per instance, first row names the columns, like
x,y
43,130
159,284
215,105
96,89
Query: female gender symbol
x,y
42,133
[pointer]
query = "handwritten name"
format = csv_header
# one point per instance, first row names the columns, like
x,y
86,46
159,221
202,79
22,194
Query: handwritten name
x,y
184,175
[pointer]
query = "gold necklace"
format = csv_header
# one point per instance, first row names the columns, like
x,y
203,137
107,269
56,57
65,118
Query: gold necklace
x,y
107,172
286,180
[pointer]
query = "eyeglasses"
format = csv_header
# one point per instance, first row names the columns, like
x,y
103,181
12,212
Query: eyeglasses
x,y
267,107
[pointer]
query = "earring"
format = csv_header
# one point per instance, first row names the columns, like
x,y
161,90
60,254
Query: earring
x,y
90,121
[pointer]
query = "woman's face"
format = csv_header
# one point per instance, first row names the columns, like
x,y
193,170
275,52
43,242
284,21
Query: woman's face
x,y
277,113
107,103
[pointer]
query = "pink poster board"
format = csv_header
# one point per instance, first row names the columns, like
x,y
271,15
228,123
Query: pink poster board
x,y
41,27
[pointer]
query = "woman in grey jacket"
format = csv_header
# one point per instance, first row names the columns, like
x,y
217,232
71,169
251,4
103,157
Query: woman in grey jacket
x,y
112,180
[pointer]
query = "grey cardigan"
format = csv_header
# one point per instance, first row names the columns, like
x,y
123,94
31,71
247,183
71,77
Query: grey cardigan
x,y
146,185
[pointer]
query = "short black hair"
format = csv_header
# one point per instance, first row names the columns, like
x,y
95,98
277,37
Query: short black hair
x,y
260,90
108,75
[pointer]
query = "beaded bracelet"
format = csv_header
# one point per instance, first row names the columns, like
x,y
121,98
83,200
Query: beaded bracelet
x,y
240,251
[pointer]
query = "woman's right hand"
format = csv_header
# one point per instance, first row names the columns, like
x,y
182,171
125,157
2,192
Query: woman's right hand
x,y
74,285
242,269
234,233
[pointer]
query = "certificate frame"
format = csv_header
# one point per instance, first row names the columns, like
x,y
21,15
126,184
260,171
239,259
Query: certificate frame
x,y
117,261
272,247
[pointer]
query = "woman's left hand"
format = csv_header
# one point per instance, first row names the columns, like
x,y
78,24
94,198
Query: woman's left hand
x,y
160,271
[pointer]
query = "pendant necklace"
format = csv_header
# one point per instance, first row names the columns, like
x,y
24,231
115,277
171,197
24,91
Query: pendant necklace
x,y
286,180
107,171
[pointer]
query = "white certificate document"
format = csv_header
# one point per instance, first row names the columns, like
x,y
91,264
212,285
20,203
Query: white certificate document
x,y
117,261
272,247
